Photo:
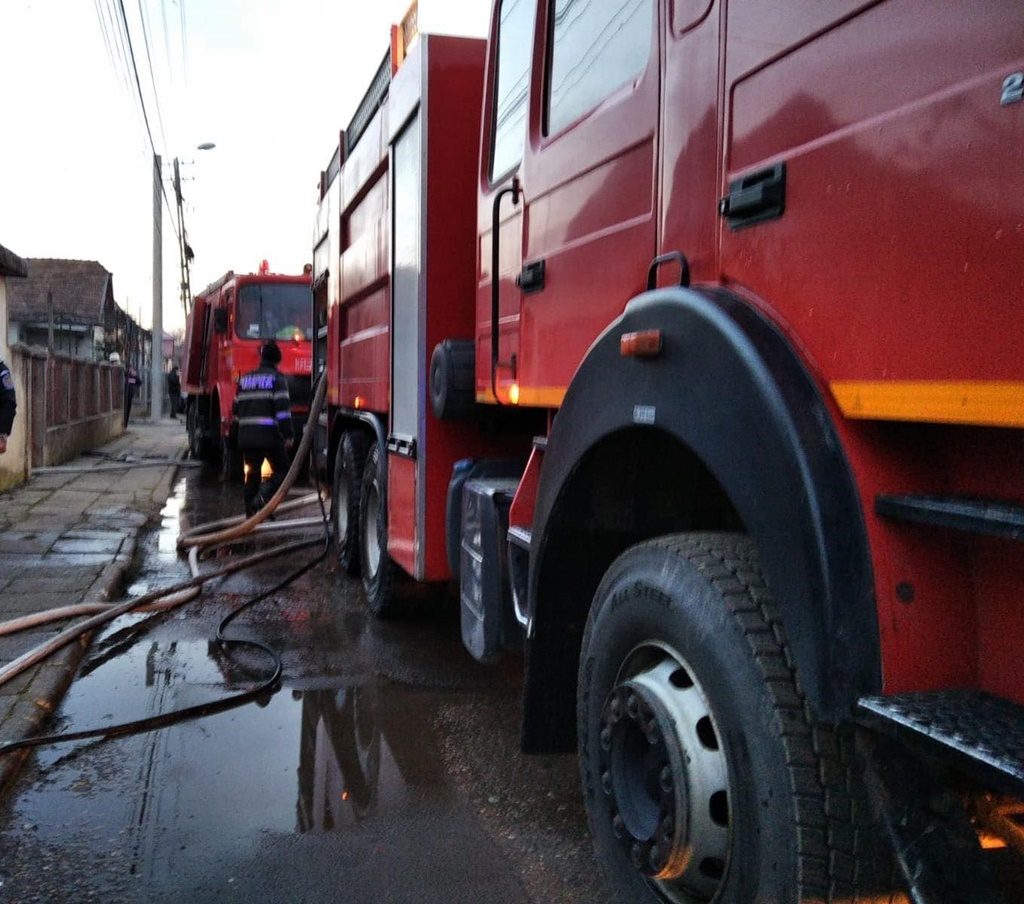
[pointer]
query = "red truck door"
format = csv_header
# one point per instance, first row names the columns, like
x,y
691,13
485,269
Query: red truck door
x,y
588,183
510,60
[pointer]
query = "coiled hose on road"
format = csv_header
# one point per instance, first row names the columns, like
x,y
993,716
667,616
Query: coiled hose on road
x,y
214,535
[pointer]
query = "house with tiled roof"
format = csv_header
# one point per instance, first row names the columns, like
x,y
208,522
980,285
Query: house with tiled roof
x,y
71,301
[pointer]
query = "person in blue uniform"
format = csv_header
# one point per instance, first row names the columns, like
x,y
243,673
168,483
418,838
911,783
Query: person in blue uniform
x,y
8,405
263,417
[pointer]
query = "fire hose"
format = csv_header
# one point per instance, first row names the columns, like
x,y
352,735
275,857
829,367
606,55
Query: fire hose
x,y
217,534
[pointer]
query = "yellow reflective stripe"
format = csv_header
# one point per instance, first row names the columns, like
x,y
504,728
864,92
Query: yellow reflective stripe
x,y
995,403
530,396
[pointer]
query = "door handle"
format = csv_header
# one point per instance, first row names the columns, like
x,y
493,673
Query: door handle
x,y
755,198
531,279
515,190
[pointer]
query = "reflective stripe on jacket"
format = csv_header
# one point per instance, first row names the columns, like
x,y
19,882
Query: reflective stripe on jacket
x,y
262,409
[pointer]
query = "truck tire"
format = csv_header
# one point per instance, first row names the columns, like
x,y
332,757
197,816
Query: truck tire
x,y
195,451
377,568
201,448
346,491
704,774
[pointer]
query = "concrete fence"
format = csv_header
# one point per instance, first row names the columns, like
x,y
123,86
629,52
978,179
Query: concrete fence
x,y
68,405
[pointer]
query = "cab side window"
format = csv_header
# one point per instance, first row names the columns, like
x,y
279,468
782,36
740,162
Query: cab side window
x,y
512,84
596,47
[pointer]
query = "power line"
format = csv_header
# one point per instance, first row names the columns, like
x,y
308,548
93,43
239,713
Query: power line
x,y
184,44
152,75
145,115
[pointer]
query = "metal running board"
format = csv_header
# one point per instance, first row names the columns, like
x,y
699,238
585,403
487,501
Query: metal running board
x,y
975,732
975,516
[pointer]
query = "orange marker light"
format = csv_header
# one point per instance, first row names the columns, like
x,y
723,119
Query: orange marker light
x,y
644,344
513,393
359,402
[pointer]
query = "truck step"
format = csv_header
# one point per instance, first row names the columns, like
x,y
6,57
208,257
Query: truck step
x,y
973,731
976,516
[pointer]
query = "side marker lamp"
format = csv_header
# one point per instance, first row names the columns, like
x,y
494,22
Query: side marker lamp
x,y
642,344
513,393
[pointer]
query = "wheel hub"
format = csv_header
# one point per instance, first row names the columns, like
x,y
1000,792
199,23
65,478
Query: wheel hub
x,y
341,509
664,777
370,530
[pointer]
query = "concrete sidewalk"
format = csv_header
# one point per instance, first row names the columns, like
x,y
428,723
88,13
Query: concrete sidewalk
x,y
69,538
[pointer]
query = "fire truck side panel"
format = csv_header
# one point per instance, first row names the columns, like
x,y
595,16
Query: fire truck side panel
x,y
878,158
408,299
902,252
433,107
197,337
454,93
363,318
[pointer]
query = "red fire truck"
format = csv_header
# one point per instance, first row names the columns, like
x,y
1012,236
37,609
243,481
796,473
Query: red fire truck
x,y
695,360
229,321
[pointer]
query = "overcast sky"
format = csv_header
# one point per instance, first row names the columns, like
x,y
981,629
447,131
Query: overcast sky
x,y
271,82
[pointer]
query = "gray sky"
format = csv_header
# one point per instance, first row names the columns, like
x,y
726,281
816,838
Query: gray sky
x,y
271,82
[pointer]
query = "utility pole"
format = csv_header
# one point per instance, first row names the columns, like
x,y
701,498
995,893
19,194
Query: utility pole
x,y
184,251
156,373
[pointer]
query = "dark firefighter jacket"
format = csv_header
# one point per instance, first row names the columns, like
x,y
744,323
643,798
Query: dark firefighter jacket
x,y
262,409
8,404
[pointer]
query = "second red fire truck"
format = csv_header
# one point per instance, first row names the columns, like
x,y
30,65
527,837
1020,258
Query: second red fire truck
x,y
695,360
229,321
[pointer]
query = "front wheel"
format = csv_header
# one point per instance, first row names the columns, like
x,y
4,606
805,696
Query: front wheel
x,y
703,769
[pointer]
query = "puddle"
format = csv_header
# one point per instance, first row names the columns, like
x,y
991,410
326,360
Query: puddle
x,y
384,770
170,521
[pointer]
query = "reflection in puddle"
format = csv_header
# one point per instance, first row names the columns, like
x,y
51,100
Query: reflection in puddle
x,y
170,520
359,747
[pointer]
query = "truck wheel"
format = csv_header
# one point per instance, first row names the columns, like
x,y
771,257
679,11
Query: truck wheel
x,y
195,450
377,568
704,773
349,461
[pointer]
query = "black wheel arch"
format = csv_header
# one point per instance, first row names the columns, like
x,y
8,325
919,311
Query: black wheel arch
x,y
724,430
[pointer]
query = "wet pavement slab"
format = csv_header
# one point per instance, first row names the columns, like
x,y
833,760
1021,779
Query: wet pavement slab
x,y
386,768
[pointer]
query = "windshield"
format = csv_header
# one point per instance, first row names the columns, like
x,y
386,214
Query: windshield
x,y
274,311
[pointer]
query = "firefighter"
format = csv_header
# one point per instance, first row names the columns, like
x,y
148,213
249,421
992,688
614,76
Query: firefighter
x,y
263,419
174,390
8,405
131,381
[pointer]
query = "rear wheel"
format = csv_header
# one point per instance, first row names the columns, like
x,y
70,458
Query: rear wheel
x,y
349,462
201,447
705,776
379,572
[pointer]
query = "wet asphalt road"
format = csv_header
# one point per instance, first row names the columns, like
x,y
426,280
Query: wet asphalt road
x,y
386,769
